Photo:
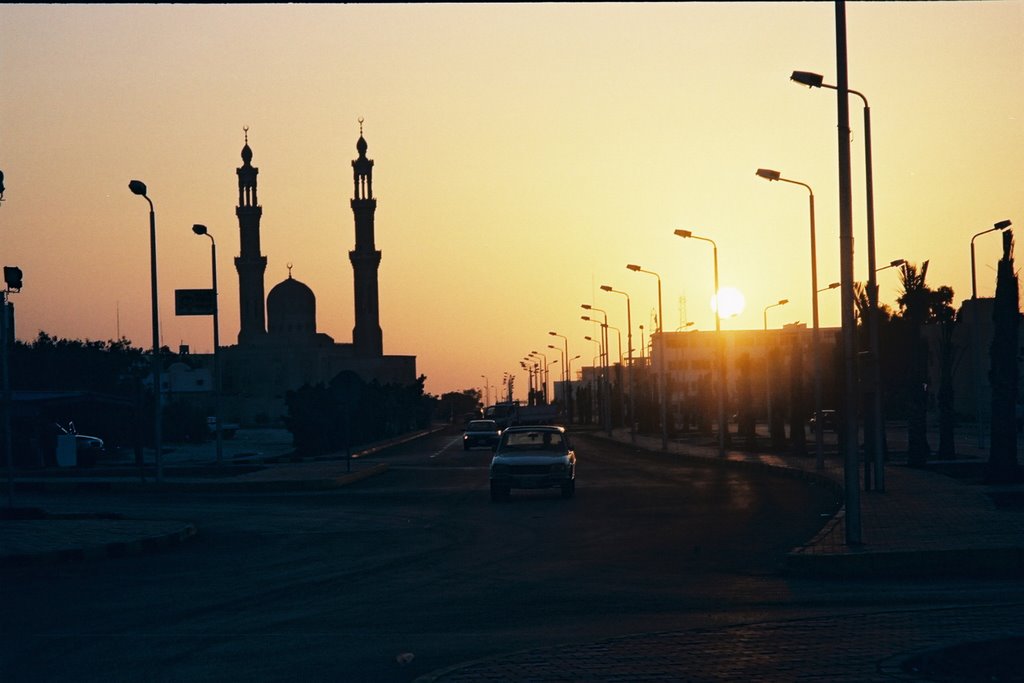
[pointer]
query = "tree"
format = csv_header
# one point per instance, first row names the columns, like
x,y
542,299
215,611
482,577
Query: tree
x,y
919,305
1002,460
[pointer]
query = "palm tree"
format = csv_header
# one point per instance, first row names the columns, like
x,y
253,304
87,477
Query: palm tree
x,y
914,305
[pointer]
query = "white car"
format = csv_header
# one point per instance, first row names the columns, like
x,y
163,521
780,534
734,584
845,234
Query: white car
x,y
534,457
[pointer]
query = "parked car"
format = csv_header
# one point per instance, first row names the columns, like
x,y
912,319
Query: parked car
x,y
480,433
829,421
533,457
227,431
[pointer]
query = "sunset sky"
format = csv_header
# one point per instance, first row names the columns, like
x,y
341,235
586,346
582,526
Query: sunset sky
x,y
524,154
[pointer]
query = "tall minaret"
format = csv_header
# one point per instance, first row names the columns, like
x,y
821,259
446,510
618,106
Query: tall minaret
x,y
249,262
366,336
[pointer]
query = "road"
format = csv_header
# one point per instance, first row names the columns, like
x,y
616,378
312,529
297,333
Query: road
x,y
415,570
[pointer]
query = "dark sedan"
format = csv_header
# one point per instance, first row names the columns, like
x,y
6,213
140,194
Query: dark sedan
x,y
480,433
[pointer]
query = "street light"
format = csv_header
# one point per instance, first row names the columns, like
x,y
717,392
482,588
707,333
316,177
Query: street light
x,y
202,230
661,358
487,390
975,340
875,427
629,354
834,285
722,380
1001,225
780,302
892,264
566,389
819,435
138,187
545,375
605,385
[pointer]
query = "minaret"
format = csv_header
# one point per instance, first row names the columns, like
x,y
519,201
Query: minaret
x,y
366,336
249,262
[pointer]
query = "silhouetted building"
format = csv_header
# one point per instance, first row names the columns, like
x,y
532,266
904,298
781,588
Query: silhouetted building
x,y
279,348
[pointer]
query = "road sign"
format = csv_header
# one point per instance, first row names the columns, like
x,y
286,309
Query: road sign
x,y
194,302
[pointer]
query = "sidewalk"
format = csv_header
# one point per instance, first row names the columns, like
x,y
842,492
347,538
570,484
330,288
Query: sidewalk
x,y
29,535
923,524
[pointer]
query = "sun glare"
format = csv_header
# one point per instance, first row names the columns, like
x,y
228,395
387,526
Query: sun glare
x,y
732,300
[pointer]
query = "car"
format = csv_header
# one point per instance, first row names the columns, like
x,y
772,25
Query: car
x,y
480,433
829,421
533,457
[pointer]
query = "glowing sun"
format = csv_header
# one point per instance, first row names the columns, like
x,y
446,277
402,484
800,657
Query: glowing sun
x,y
732,302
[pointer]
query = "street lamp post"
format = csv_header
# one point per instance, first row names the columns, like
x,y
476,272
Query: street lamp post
x,y
606,415
138,187
722,379
202,230
544,375
975,339
767,366
566,388
661,358
629,354
487,390
875,427
819,435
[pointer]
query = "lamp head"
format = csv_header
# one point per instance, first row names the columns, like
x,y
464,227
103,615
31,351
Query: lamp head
x,y
783,302
834,285
684,233
606,288
137,187
552,334
1003,225
199,229
897,262
768,174
807,78
585,306
633,267
584,317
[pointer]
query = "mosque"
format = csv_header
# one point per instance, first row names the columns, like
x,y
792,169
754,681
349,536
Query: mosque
x,y
279,348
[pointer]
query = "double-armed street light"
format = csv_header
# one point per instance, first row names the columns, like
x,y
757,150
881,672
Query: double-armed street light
x,y
629,354
819,437
202,230
544,360
661,357
139,188
722,378
566,389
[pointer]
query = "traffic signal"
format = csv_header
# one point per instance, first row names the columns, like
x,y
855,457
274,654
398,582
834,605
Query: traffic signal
x,y
12,276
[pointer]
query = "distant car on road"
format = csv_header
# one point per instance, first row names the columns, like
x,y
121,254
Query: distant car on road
x,y
533,457
829,421
480,433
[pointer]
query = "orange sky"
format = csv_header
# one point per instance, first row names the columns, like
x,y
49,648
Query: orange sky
x,y
524,155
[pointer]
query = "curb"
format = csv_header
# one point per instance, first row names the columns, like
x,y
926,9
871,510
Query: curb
x,y
138,546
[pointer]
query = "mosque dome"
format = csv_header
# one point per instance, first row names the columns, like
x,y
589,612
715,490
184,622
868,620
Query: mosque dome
x,y
291,309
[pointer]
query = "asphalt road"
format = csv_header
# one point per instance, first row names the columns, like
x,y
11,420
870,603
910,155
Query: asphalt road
x,y
415,570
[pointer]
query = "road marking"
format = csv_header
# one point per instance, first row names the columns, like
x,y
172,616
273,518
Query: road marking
x,y
447,446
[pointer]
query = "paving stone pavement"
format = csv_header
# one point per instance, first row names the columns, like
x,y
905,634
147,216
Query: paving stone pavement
x,y
857,648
